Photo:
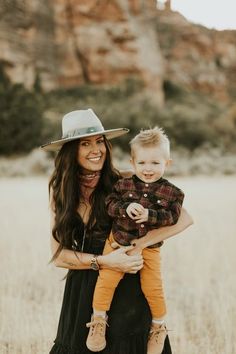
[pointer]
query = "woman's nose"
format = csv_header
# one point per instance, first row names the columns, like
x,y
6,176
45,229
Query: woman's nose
x,y
95,149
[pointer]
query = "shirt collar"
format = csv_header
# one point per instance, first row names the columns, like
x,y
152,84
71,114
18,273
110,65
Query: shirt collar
x,y
136,179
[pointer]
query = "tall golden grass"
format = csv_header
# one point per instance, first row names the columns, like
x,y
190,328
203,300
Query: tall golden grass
x,y
198,269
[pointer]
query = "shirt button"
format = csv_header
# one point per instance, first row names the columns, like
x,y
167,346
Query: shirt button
x,y
123,215
130,195
145,195
146,185
158,201
142,226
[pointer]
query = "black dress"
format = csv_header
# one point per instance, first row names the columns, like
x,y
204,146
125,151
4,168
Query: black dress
x,y
129,317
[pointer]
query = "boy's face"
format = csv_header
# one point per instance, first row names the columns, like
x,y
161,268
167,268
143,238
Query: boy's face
x,y
149,163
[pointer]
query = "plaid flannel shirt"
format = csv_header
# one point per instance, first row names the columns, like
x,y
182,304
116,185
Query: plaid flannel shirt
x,y
162,199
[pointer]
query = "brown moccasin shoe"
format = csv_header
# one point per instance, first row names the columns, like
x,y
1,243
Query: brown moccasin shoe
x,y
96,340
156,339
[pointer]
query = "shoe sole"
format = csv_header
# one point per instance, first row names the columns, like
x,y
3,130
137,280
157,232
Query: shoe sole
x,y
97,349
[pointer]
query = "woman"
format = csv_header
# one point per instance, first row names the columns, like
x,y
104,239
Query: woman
x,y
82,178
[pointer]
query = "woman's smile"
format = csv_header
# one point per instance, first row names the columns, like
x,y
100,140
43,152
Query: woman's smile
x,y
95,159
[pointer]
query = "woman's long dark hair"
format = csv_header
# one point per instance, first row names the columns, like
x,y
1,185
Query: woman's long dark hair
x,y
65,194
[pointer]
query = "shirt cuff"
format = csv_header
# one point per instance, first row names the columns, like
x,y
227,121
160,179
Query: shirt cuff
x,y
152,216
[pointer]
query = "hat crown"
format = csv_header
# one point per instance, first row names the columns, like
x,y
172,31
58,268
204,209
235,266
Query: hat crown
x,y
81,122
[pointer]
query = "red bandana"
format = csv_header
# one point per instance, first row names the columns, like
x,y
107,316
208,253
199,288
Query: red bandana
x,y
88,183
91,180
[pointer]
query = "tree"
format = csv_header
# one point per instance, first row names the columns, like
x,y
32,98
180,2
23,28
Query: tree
x,y
21,120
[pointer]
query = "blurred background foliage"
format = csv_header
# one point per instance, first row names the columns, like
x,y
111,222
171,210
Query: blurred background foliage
x,y
185,83
21,117
191,119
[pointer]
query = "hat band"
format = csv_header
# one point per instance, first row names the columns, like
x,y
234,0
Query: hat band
x,y
88,130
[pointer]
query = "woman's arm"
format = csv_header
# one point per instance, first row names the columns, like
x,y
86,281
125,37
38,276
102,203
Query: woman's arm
x,y
117,260
68,258
163,233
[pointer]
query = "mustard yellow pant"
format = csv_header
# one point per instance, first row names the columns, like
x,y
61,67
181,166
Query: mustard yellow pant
x,y
150,277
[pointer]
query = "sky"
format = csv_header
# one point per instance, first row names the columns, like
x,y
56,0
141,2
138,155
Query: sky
x,y
216,14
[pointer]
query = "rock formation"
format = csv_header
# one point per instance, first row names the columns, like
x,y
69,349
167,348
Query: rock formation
x,y
198,58
27,41
104,42
70,42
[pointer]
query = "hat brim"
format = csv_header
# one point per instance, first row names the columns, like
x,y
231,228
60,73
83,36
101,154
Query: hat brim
x,y
110,134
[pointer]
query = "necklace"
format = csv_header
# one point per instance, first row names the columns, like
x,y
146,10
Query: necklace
x,y
87,184
75,243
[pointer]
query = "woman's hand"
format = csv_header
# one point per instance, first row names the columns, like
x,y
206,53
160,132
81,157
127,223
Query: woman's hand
x,y
134,249
119,260
137,248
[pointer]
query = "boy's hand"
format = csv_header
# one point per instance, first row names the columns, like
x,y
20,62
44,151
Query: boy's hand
x,y
137,212
142,217
134,210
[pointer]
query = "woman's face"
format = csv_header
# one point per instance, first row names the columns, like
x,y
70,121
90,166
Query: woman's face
x,y
91,153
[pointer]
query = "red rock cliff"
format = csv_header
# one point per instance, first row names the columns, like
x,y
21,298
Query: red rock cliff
x,y
70,42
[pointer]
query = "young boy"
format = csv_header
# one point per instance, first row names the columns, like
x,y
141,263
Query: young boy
x,y
137,205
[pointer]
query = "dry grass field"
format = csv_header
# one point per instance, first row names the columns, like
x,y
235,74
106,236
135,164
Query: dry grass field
x,y
198,268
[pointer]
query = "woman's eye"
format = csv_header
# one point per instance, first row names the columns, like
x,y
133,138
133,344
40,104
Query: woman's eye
x,y
84,143
140,163
156,163
101,141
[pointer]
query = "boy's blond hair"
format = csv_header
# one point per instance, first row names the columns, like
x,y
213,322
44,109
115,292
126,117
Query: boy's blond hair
x,y
152,137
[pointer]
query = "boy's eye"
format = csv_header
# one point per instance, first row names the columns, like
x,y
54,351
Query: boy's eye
x,y
156,163
140,162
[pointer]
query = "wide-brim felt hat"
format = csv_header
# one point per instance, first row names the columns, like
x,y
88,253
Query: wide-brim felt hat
x,y
80,124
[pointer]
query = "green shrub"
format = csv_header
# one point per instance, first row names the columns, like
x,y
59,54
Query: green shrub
x,y
172,90
191,119
20,118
